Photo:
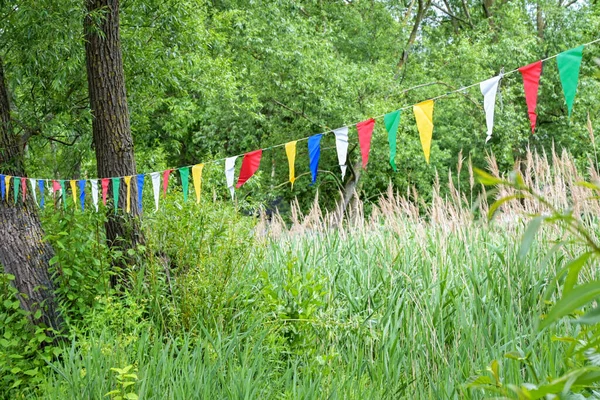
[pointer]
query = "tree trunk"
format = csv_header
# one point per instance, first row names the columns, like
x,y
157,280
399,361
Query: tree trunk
x,y
111,130
23,253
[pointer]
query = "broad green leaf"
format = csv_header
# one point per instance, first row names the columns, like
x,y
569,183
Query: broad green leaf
x,y
485,178
577,298
574,267
529,236
501,201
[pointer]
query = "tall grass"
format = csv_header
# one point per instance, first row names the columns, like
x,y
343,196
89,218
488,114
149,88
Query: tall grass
x,y
410,303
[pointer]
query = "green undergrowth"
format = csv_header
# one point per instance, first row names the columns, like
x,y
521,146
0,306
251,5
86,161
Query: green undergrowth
x,y
213,310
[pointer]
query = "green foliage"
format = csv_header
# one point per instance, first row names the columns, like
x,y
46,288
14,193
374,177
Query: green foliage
x,y
126,379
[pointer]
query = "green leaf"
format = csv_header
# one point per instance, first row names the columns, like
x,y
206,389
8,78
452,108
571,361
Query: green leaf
x,y
590,318
485,178
131,396
577,298
529,236
501,201
37,314
574,267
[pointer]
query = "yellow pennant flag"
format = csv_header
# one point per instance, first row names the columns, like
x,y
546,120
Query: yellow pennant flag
x,y
73,184
7,184
424,117
290,150
197,177
127,180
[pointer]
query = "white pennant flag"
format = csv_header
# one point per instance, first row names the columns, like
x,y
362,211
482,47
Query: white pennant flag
x,y
229,171
341,144
94,184
33,182
156,187
488,90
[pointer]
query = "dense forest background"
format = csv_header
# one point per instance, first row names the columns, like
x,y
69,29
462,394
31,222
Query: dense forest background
x,y
209,79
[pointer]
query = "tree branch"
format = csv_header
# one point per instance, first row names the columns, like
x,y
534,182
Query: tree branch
x,y
300,113
448,13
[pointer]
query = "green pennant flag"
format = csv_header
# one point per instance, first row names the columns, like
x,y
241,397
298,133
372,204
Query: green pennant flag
x,y
16,187
63,193
569,63
391,121
116,183
185,178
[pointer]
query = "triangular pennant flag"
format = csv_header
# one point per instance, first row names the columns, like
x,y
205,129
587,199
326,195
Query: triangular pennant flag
x,y
569,63
2,187
365,133
140,190
32,183
73,184
16,184
127,180
185,178
81,184
290,151
197,177
7,185
314,153
341,146
229,171
63,193
42,187
94,184
116,183
55,188
391,121
250,164
24,188
104,183
166,181
424,117
156,187
489,88
531,82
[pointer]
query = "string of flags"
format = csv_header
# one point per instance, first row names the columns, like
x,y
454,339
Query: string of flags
x,y
568,63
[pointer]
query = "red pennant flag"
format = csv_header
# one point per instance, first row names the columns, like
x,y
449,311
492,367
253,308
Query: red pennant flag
x,y
250,165
365,132
55,187
23,187
166,181
104,182
531,82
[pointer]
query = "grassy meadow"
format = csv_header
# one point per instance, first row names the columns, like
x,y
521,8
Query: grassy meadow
x,y
415,301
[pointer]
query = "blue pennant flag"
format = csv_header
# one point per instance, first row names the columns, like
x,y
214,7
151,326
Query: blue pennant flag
x,y
81,184
2,187
41,186
140,188
314,153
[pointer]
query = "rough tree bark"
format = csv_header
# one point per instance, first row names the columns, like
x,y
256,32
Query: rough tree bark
x,y
108,101
23,253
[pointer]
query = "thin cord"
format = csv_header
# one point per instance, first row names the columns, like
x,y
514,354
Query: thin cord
x,y
219,160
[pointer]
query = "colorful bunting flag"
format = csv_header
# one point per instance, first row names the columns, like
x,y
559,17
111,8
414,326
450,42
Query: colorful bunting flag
x,y
197,177
140,190
41,186
2,187
81,184
55,188
127,180
489,88
290,151
16,182
104,183
156,187
185,177
391,122
32,183
314,153
250,164
424,117
531,81
341,146
569,63
116,183
94,184
73,184
365,133
229,171
24,188
63,193
166,181
7,185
